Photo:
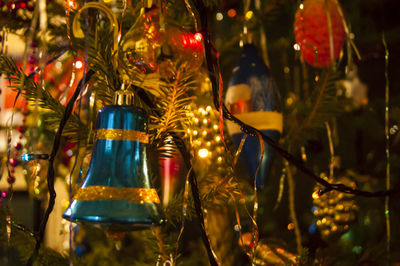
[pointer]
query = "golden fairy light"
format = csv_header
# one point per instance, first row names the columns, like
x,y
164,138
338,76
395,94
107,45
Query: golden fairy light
x,y
203,153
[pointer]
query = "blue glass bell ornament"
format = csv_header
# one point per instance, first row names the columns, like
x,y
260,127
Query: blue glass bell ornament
x,y
116,194
253,97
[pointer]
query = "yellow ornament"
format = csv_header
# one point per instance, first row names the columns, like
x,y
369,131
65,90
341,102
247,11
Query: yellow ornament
x,y
334,210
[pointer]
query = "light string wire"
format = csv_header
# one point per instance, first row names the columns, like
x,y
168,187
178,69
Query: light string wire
x,y
387,148
50,171
86,56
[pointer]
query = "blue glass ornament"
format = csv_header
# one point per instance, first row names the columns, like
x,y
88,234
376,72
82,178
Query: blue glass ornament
x,y
253,97
116,194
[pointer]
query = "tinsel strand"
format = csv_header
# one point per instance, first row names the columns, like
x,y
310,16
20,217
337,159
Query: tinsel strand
x,y
387,211
292,210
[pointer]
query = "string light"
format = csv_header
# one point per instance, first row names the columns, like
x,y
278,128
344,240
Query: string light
x,y
203,153
71,4
78,64
296,47
219,16
232,13
249,15
198,36
315,195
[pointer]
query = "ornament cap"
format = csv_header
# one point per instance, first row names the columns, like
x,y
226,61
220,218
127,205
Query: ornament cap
x,y
123,96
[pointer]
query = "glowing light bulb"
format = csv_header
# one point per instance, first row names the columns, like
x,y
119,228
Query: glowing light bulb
x,y
301,6
78,64
198,36
296,47
249,15
315,195
203,153
232,13
219,16
71,4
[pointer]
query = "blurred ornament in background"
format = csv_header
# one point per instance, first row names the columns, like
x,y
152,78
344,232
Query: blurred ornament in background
x,y
353,88
155,42
253,97
268,253
139,44
116,194
335,211
320,37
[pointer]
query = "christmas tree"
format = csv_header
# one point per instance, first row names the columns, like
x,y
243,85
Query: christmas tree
x,y
199,132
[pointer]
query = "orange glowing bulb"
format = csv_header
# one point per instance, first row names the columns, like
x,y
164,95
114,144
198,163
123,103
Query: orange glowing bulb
x,y
315,195
198,36
78,64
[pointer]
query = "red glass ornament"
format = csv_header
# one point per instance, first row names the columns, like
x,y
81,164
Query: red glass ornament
x,y
32,60
11,180
13,162
311,30
21,129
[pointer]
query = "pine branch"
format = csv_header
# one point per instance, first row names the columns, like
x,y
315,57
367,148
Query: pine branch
x,y
325,106
31,90
171,108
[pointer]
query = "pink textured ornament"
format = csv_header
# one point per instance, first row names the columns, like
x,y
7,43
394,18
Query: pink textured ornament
x,y
312,31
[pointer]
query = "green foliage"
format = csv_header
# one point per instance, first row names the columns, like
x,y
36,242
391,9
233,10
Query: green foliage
x,y
22,243
41,97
